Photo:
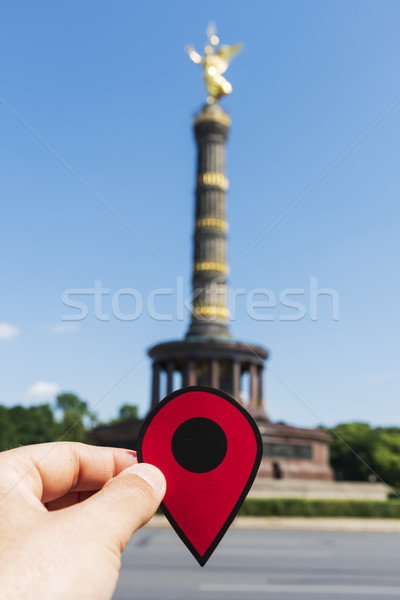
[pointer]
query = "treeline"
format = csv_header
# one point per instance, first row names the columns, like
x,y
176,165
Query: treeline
x,y
69,419
360,452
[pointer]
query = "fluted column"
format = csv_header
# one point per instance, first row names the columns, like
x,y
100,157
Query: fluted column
x,y
214,373
260,386
191,372
209,283
236,372
170,376
253,386
155,388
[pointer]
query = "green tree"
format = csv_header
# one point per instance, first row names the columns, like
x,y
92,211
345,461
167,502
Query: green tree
x,y
127,412
68,401
8,434
352,451
20,426
75,416
386,455
32,425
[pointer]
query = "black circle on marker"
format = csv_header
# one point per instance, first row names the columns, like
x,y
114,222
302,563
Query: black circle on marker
x,y
199,445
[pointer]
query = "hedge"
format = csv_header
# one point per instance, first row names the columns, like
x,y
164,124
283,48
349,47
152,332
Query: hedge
x,y
394,494
303,507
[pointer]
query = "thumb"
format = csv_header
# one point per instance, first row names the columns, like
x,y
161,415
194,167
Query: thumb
x,y
124,504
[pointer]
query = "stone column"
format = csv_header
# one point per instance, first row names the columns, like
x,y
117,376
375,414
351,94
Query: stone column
x,y
236,372
170,376
191,372
260,386
209,282
214,373
155,388
253,386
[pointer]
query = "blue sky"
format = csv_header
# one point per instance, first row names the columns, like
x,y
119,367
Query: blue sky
x,y
96,106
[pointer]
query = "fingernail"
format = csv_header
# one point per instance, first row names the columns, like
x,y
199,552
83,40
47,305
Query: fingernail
x,y
151,475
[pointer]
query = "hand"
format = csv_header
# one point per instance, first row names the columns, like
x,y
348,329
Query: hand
x,y
67,511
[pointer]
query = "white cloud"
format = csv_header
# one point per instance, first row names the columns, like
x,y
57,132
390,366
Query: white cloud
x,y
44,390
65,328
8,331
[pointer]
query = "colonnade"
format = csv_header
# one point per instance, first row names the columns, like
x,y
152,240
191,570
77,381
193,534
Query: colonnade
x,y
189,372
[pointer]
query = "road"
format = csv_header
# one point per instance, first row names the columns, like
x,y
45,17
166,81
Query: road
x,y
281,565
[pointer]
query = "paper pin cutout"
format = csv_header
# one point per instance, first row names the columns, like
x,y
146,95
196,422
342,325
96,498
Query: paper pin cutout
x,y
209,449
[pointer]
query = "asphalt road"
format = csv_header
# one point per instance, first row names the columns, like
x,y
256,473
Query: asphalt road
x,y
281,565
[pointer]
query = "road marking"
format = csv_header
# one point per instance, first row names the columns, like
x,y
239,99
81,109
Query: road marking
x,y
275,552
299,589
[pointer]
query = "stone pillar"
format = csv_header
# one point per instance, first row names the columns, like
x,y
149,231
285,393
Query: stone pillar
x,y
209,282
155,388
170,376
191,372
260,386
236,372
253,386
214,373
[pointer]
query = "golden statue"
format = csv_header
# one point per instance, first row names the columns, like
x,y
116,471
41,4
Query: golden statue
x,y
215,62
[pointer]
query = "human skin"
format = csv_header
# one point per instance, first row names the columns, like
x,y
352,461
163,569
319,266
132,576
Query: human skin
x,y
67,511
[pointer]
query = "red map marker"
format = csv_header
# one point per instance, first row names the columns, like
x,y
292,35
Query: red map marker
x,y
209,449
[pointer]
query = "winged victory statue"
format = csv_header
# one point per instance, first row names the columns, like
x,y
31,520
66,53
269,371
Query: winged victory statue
x,y
215,62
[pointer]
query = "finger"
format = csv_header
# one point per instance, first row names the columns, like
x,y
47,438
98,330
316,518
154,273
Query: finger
x,y
69,499
123,505
49,471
